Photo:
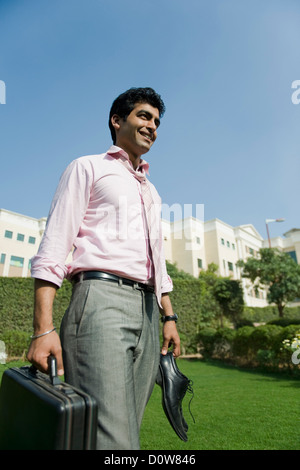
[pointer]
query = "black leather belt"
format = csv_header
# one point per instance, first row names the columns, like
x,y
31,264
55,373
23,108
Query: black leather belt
x,y
85,275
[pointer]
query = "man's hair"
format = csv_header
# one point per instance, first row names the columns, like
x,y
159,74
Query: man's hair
x,y
124,104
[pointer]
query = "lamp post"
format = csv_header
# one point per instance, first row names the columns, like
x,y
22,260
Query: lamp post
x,y
267,222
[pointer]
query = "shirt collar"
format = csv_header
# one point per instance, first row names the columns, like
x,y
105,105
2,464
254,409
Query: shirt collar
x,y
117,152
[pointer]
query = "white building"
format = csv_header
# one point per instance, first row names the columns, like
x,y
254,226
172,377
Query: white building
x,y
20,237
193,244
190,243
290,244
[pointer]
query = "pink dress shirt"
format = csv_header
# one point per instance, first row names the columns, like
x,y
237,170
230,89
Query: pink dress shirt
x,y
98,210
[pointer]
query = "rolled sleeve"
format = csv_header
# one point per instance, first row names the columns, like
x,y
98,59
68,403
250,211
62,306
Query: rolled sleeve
x,y
167,285
66,214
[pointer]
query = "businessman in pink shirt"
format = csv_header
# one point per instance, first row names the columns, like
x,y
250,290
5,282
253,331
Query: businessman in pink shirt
x,y
108,212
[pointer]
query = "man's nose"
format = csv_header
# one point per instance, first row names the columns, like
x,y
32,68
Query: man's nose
x,y
151,125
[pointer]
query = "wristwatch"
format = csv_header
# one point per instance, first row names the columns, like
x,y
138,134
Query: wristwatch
x,y
169,318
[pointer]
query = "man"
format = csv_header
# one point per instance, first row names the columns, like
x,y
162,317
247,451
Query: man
x,y
109,335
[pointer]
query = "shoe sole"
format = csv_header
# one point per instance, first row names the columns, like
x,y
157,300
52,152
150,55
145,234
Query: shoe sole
x,y
167,411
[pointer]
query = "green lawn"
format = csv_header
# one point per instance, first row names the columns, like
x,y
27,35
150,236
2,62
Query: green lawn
x,y
233,409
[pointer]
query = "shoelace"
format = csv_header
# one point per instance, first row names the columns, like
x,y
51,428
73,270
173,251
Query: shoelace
x,y
191,391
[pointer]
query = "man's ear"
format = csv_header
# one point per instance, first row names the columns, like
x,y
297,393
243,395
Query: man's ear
x,y
115,120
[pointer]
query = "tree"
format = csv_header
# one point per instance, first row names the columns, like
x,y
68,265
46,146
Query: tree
x,y
201,295
176,273
226,294
278,272
229,295
210,275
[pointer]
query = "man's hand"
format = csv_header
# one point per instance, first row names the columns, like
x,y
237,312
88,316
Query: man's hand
x,y
170,337
41,348
170,334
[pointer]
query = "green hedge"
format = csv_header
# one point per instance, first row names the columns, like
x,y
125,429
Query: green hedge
x,y
17,302
266,346
16,343
191,300
269,313
16,312
187,299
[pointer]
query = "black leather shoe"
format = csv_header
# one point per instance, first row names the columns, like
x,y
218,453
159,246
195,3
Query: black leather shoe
x,y
174,387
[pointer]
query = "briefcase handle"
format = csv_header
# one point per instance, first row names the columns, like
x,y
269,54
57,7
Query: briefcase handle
x,y
52,364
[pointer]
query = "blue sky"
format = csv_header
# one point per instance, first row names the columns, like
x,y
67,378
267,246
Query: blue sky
x,y
230,135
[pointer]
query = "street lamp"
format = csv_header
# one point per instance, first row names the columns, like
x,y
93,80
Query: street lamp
x,y
267,222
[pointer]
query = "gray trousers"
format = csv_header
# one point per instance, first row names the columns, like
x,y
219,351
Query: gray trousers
x,y
110,340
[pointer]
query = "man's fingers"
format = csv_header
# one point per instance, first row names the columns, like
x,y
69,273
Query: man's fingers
x,y
165,347
170,337
41,348
176,350
60,367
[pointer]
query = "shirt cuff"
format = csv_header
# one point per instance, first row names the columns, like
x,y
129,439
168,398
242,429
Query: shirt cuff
x,y
47,271
167,285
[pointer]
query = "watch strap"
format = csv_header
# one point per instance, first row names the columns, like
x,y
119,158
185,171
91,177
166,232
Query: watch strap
x,y
169,318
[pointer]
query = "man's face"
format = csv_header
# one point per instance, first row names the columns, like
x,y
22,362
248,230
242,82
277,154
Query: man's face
x,y
138,132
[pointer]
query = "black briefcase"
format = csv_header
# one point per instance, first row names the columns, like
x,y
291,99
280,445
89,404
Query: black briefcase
x,y
42,412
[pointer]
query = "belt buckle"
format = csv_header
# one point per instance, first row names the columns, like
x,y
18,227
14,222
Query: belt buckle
x,y
144,287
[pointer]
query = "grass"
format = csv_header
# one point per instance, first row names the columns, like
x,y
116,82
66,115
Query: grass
x,y
234,410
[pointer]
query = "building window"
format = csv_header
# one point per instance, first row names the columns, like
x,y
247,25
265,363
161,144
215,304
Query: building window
x,y
251,251
2,258
8,234
292,255
233,246
198,240
230,266
222,241
20,237
199,263
228,244
31,240
16,261
259,294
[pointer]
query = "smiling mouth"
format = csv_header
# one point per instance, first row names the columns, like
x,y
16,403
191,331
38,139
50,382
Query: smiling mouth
x,y
148,137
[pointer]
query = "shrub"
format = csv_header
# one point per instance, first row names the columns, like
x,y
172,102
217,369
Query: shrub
x,y
289,332
267,358
285,321
16,342
242,346
267,346
290,342
223,343
260,314
206,341
192,301
269,313
17,303
266,337
243,322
